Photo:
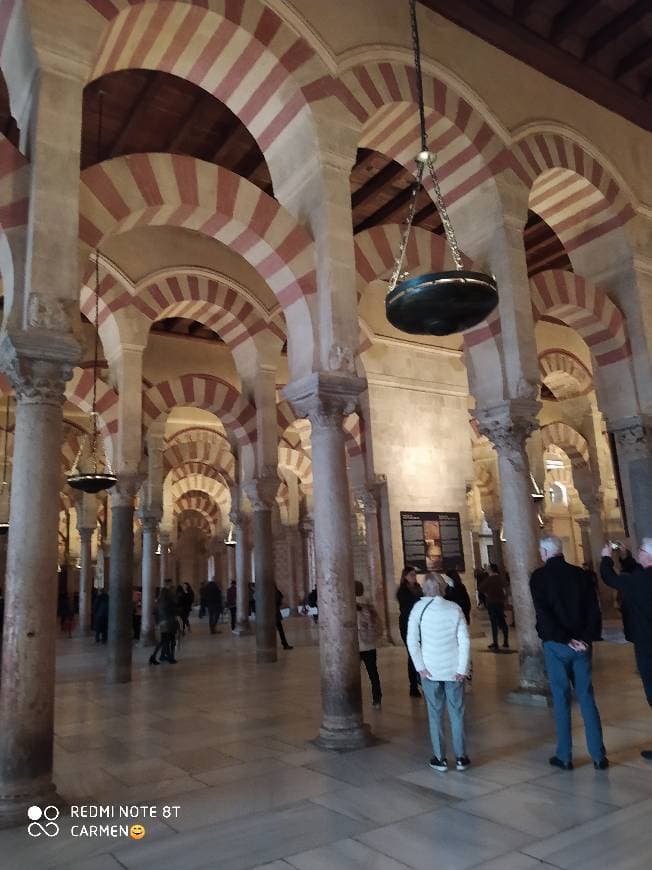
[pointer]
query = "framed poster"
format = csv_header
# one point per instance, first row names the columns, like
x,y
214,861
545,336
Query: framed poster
x,y
432,541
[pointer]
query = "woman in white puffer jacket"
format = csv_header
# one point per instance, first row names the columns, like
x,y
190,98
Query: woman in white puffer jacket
x,y
438,642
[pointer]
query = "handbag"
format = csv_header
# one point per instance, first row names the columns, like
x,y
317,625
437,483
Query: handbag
x,y
421,617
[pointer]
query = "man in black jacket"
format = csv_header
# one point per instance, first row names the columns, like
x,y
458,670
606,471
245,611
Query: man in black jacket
x,y
635,584
568,621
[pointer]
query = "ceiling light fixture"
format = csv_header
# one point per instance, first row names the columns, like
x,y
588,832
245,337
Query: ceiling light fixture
x,y
438,303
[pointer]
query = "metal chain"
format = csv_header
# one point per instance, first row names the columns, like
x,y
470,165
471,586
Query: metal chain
x,y
416,49
398,266
445,219
96,350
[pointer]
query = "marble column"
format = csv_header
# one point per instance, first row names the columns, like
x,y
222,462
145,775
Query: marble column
x,y
30,625
261,494
508,426
306,528
148,584
85,582
242,625
325,399
376,591
164,557
634,445
585,537
230,564
121,580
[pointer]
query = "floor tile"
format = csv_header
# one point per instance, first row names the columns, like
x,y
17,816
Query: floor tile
x,y
382,803
345,855
461,786
538,811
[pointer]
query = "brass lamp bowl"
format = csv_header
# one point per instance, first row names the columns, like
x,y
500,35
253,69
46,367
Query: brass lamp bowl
x,y
92,483
441,303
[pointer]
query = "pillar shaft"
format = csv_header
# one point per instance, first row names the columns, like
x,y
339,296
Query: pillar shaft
x,y
376,589
148,625
85,582
634,445
164,558
29,636
121,581
260,496
325,399
508,426
241,574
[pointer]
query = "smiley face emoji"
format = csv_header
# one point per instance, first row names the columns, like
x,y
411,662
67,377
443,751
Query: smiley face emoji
x,y
137,832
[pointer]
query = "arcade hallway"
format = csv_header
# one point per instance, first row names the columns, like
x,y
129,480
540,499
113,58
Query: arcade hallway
x,y
229,742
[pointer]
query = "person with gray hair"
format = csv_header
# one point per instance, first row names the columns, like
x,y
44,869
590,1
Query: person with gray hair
x,y
438,642
635,584
568,621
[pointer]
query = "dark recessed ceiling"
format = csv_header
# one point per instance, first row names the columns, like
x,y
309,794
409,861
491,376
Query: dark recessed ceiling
x,y
599,48
185,327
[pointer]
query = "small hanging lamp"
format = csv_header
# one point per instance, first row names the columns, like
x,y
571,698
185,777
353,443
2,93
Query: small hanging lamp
x,y
230,541
89,474
438,303
5,491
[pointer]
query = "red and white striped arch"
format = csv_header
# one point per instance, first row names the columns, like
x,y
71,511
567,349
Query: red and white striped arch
x,y
584,307
210,302
296,461
569,440
570,189
213,488
174,190
564,373
79,391
207,392
237,50
191,468
382,96
193,520
202,504
200,446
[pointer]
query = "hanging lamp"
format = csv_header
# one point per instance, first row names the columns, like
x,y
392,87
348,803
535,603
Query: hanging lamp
x,y
437,303
86,474
4,486
230,541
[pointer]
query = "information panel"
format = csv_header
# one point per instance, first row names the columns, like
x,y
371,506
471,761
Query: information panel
x,y
432,541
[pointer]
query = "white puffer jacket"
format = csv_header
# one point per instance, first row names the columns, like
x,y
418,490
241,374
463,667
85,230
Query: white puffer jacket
x,y
444,649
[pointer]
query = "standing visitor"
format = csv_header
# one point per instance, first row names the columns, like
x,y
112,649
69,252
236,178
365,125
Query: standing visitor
x,y
409,592
232,601
634,583
202,599
101,616
494,591
568,621
166,618
456,592
438,641
214,605
368,622
279,618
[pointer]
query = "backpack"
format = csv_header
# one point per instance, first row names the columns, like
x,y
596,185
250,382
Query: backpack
x,y
368,626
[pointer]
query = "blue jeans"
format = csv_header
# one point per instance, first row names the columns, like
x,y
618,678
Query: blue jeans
x,y
567,668
438,693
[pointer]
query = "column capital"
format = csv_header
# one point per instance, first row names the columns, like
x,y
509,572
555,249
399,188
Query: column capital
x,y
325,398
85,533
149,521
39,366
125,490
509,424
262,490
366,499
632,435
236,517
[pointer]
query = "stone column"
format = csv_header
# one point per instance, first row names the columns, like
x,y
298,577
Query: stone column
x,y
369,506
508,426
307,535
148,625
85,582
230,564
121,580
164,557
261,494
583,523
30,625
325,399
634,446
242,625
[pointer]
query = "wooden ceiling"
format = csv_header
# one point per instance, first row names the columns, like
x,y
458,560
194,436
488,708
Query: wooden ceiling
x,y
600,48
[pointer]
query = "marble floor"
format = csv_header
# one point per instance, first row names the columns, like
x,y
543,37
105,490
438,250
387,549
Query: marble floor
x,y
229,743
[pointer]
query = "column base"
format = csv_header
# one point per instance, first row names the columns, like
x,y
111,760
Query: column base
x,y
266,656
148,638
241,630
529,697
119,675
344,739
13,807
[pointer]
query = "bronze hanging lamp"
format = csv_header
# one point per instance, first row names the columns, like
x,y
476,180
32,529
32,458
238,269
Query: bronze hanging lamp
x,y
89,474
437,303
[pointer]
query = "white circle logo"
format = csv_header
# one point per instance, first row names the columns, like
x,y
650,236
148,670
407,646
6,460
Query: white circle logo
x,y
49,828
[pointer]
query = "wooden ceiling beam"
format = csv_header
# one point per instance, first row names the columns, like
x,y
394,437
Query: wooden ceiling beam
x,y
385,211
386,175
227,132
564,20
145,93
522,7
635,60
504,32
175,140
614,29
